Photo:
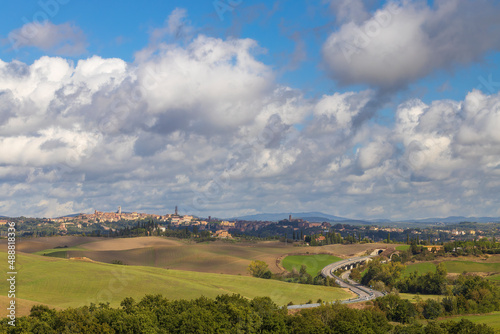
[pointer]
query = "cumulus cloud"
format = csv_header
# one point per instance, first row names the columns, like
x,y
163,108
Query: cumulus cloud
x,y
62,39
181,109
402,43
203,124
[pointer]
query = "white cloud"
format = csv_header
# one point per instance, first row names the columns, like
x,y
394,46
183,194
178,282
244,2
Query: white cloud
x,y
63,39
204,124
403,43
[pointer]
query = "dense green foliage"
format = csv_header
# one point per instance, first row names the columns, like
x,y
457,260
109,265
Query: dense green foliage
x,y
396,309
227,314
462,327
472,294
467,294
379,272
428,283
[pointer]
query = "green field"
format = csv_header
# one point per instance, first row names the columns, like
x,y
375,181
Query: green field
x,y
470,266
455,267
413,297
314,263
50,252
421,268
490,319
72,283
402,247
495,278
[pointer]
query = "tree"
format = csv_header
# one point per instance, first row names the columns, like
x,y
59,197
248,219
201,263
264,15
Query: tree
x,y
396,309
432,309
259,269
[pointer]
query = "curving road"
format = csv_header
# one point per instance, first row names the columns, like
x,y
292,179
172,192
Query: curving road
x,y
364,293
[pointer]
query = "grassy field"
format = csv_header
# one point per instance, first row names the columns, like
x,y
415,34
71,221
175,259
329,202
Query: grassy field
x,y
470,266
55,250
58,252
455,267
314,263
72,283
421,268
490,319
414,297
495,278
402,247
169,253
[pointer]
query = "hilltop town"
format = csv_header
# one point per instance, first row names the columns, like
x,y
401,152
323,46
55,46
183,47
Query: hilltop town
x,y
120,223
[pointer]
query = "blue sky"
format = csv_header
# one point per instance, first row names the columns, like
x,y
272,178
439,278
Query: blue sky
x,y
349,106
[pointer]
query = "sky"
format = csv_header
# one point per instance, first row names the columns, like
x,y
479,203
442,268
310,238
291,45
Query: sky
x,y
358,108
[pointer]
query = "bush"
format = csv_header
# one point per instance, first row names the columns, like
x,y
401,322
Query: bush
x,y
432,309
259,269
396,309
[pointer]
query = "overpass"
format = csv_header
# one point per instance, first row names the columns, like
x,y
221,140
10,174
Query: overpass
x,y
363,293
345,265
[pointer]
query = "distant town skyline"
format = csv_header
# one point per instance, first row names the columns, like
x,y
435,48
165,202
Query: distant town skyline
x,y
362,109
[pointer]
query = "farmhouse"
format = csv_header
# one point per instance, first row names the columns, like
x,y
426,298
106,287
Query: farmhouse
x,y
430,247
320,238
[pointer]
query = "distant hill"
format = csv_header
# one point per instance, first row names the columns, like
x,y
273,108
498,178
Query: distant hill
x,y
309,216
324,217
71,215
380,221
456,219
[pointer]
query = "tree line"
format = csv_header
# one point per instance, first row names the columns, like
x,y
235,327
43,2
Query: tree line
x,y
225,314
466,294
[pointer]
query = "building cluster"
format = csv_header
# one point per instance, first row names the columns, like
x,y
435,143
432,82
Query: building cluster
x,y
174,219
100,216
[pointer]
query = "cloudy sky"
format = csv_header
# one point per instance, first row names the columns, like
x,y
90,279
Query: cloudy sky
x,y
365,109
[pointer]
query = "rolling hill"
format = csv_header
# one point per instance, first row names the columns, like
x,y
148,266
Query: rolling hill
x,y
71,283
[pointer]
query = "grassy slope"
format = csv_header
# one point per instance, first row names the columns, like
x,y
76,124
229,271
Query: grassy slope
x,y
70,283
57,250
490,319
413,297
495,278
402,247
470,266
421,268
454,267
212,257
314,263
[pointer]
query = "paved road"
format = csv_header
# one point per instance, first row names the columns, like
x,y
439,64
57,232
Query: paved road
x,y
363,292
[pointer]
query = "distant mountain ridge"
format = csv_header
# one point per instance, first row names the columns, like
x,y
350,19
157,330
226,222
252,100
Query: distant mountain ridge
x,y
309,216
455,219
323,217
